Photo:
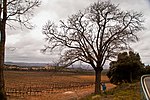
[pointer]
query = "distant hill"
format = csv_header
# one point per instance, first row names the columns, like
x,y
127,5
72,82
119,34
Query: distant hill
x,y
26,64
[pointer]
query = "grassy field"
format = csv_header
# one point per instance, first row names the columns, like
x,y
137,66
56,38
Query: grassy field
x,y
23,85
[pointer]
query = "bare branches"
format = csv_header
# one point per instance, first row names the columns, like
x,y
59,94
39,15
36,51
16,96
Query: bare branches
x,y
21,11
95,34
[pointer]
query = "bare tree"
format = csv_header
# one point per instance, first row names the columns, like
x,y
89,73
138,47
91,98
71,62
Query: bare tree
x,y
19,11
94,35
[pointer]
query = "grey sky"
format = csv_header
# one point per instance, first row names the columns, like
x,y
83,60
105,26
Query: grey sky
x,y
29,42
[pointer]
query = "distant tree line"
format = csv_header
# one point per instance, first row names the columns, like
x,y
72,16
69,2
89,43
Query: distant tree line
x,y
47,69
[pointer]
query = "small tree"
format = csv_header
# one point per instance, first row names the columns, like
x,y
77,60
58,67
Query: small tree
x,y
94,35
128,67
11,11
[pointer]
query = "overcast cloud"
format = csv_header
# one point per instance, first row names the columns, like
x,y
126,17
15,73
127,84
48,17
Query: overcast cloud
x,y
28,43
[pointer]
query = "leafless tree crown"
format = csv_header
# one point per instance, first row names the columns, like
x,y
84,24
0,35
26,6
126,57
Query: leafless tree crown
x,y
21,11
95,34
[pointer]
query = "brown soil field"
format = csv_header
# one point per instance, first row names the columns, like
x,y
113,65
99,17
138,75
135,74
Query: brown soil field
x,y
23,85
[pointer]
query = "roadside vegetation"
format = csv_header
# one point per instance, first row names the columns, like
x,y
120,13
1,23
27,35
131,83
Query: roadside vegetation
x,y
124,91
126,69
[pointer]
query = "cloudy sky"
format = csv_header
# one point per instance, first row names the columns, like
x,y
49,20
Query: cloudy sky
x,y
25,45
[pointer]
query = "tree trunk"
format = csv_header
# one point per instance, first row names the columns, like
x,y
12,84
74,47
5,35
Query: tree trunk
x,y
97,81
2,48
2,84
2,55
